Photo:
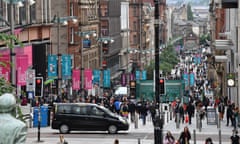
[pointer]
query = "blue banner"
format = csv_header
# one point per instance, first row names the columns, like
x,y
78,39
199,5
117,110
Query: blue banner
x,y
137,74
96,76
192,79
185,77
66,66
144,75
106,79
52,66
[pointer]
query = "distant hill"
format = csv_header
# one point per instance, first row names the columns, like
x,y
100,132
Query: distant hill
x,y
192,2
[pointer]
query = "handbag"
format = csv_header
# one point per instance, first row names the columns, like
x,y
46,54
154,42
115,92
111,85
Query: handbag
x,y
186,118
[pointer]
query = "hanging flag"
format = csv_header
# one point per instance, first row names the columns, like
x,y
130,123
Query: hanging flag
x,y
191,79
123,79
22,66
88,79
52,66
96,76
144,75
137,73
106,79
66,66
76,79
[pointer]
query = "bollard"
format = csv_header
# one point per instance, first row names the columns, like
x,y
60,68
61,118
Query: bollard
x,y
39,123
200,125
197,120
31,120
167,117
136,121
219,123
194,137
177,120
139,141
220,136
171,115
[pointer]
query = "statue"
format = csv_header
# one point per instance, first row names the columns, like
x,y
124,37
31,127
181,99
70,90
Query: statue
x,y
12,130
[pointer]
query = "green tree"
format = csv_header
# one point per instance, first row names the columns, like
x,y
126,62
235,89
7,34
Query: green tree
x,y
203,38
189,12
167,60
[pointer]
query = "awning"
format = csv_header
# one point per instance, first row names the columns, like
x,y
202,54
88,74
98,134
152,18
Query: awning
x,y
223,44
221,58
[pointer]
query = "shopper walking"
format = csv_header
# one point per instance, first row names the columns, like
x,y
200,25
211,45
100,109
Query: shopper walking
x,y
169,139
185,136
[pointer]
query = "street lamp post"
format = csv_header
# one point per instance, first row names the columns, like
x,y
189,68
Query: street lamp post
x,y
84,35
158,121
61,21
101,41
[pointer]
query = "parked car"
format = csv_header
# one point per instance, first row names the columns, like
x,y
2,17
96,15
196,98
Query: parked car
x,y
86,117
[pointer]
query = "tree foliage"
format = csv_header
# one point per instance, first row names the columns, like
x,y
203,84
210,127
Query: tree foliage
x,y
167,60
189,12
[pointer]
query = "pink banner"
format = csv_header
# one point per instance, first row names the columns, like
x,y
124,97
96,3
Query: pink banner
x,y
26,50
88,79
22,66
76,79
5,67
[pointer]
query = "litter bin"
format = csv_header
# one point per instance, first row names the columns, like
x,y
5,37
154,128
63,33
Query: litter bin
x,y
35,116
43,114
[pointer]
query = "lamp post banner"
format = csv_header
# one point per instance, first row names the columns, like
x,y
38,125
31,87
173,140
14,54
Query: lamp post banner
x,y
52,66
192,79
22,66
88,79
96,76
106,79
5,67
123,79
66,67
137,75
76,79
144,75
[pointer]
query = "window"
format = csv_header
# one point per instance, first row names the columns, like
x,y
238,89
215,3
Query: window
x,y
46,11
32,14
64,109
96,111
23,14
71,9
72,35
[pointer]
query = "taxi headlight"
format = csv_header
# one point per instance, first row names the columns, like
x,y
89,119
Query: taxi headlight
x,y
122,120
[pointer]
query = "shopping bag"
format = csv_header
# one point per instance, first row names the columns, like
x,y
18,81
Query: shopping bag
x,y
186,118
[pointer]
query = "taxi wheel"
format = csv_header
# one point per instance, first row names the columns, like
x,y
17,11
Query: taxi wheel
x,y
64,129
112,129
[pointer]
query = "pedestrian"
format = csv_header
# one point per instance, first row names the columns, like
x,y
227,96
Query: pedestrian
x,y
235,117
116,141
190,111
185,136
169,139
229,114
235,138
62,140
132,109
208,141
221,110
